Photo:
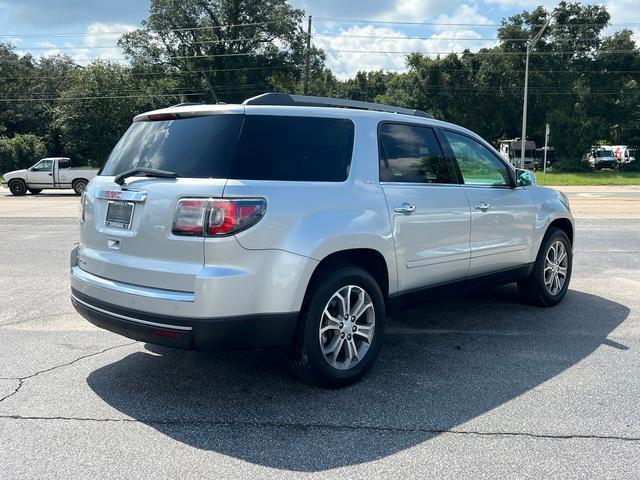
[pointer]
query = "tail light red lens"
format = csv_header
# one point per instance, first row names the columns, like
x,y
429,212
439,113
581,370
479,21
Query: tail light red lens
x,y
217,217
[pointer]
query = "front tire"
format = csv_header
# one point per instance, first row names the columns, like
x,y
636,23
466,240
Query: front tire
x,y
341,328
18,188
548,282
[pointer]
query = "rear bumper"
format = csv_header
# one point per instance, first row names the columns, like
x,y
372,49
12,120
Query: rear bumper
x,y
204,334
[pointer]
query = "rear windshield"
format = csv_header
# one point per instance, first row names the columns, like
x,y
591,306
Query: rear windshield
x,y
199,147
252,147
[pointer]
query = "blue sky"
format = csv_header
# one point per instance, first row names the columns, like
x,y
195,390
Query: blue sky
x,y
46,27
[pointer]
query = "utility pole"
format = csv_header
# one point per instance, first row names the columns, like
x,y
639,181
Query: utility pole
x,y
307,66
546,145
530,46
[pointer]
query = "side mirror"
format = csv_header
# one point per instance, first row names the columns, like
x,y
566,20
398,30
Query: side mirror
x,y
525,178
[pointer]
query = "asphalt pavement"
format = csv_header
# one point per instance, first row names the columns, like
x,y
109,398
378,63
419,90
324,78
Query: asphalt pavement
x,y
477,386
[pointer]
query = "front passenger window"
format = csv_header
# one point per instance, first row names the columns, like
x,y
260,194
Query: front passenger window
x,y
477,164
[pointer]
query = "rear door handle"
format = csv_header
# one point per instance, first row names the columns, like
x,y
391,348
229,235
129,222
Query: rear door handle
x,y
405,209
484,206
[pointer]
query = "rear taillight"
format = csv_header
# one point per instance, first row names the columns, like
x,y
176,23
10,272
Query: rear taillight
x,y
216,217
189,217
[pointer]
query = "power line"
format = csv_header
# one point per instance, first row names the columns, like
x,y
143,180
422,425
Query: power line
x,y
144,74
400,37
320,19
434,70
99,97
387,22
175,57
91,34
220,91
444,24
390,37
407,52
323,35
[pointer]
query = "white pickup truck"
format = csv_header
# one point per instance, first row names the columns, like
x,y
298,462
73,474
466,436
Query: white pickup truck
x,y
53,172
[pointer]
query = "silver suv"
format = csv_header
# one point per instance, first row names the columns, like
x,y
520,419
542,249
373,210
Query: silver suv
x,y
287,222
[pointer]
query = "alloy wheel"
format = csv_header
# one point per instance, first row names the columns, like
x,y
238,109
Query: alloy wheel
x,y
347,327
555,268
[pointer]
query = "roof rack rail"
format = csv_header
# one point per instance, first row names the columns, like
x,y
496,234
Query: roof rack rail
x,y
309,101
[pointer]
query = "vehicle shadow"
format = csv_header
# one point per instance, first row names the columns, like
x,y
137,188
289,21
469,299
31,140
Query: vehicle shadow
x,y
44,194
442,365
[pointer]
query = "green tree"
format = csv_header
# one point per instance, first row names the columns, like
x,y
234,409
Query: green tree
x,y
223,50
29,90
98,105
20,151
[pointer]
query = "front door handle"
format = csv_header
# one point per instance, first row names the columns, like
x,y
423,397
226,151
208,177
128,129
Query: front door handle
x,y
484,206
405,209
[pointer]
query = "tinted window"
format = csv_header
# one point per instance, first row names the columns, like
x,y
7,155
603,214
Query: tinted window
x,y
411,154
252,147
478,165
294,148
200,147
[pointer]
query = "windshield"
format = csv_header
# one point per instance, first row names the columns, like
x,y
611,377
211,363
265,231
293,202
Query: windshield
x,y
200,147
605,153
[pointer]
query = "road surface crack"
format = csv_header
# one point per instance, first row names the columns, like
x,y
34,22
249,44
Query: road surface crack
x,y
334,427
21,380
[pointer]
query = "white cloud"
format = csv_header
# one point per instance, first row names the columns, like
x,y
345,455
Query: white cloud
x,y
106,34
415,10
624,11
101,42
346,51
98,42
50,48
343,52
510,4
464,14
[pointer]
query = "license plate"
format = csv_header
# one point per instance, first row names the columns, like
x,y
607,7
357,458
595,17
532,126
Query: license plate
x,y
119,214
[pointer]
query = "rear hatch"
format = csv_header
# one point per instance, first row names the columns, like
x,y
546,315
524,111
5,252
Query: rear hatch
x,y
126,234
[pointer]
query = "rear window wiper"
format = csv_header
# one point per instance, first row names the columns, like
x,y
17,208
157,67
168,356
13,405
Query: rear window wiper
x,y
145,172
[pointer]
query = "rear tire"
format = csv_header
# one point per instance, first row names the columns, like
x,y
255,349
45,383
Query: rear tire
x,y
79,186
330,348
35,191
18,187
548,282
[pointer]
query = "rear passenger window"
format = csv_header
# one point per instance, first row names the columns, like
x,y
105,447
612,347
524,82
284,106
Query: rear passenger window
x,y
410,153
294,149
